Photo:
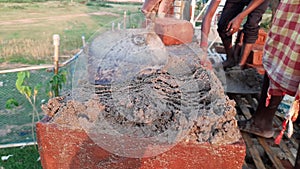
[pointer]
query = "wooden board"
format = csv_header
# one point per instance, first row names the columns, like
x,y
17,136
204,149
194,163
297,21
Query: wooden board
x,y
272,155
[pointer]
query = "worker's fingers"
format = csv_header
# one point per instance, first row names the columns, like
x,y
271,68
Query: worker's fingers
x,y
229,26
206,64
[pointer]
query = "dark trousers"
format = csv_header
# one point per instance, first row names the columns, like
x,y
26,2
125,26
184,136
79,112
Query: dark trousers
x,y
231,9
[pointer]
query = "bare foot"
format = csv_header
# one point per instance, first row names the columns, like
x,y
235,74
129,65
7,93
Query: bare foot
x,y
250,127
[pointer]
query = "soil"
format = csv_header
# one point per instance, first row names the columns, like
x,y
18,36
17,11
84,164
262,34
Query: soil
x,y
34,20
167,95
6,65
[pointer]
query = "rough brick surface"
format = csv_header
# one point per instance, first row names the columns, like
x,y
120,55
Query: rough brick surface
x,y
63,148
262,36
257,57
173,31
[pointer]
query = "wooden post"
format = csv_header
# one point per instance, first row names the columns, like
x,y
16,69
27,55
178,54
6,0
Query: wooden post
x,y
113,26
124,19
56,52
83,40
56,58
193,5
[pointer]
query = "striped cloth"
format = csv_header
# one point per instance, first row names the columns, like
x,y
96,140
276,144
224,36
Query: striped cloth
x,y
282,50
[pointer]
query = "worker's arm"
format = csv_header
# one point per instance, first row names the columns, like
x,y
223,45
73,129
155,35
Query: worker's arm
x,y
235,23
205,27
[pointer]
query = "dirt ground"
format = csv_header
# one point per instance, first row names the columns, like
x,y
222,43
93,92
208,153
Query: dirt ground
x,y
6,66
52,18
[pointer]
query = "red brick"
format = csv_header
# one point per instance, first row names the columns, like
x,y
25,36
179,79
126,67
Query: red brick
x,y
173,31
257,57
63,148
262,36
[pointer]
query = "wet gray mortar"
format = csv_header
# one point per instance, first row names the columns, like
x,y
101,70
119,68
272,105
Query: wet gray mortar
x,y
160,96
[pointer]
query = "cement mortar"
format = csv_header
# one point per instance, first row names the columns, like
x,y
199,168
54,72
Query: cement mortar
x,y
167,94
246,81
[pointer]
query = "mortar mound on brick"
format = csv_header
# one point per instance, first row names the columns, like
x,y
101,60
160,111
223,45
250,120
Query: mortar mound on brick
x,y
166,98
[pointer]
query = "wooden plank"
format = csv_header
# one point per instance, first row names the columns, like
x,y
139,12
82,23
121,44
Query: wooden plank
x,y
273,157
243,107
249,143
278,121
297,164
253,151
282,145
287,152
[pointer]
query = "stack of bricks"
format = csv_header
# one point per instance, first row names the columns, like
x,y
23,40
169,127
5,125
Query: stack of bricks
x,y
257,51
255,57
258,47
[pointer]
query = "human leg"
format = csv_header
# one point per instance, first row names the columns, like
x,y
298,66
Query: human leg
x,y
246,49
251,29
230,10
261,122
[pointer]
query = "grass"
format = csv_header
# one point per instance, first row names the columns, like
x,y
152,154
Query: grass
x,y
16,123
26,29
23,157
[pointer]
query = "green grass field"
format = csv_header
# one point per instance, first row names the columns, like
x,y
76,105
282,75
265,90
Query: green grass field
x,y
22,158
26,29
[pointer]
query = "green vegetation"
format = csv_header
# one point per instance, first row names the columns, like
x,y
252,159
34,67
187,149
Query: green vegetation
x,y
26,29
11,103
16,111
99,4
56,83
30,93
22,157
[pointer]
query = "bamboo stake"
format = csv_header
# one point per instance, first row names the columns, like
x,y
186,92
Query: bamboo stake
x,y
83,40
56,58
56,52
124,19
113,26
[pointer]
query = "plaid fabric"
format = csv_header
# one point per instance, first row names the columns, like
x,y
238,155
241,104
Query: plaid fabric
x,y
282,50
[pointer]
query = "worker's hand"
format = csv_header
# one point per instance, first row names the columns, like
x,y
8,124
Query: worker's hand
x,y
206,63
234,25
203,45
